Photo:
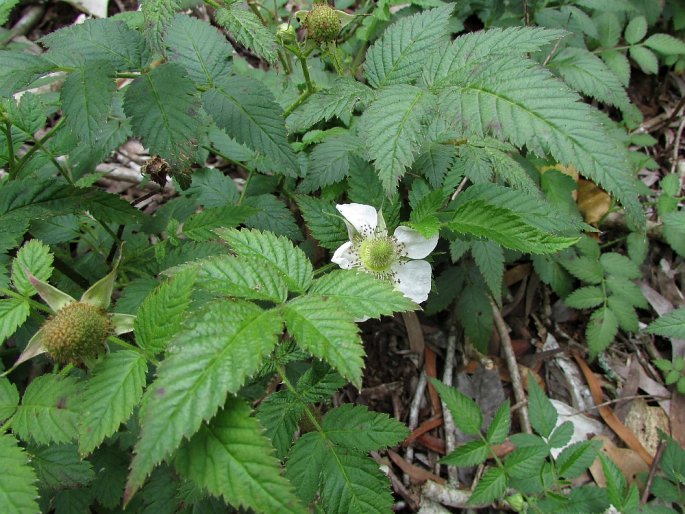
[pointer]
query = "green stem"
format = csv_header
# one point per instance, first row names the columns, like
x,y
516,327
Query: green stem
x,y
38,145
129,346
253,7
300,100
36,305
247,183
214,4
295,392
305,72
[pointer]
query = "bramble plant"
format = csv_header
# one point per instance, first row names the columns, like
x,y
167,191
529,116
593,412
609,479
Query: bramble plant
x,y
286,145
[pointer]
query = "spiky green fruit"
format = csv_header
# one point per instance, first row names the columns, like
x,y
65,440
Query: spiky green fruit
x,y
322,23
76,332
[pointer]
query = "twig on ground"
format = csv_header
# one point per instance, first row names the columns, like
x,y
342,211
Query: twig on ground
x,y
397,484
652,471
446,495
414,417
512,365
450,439
676,145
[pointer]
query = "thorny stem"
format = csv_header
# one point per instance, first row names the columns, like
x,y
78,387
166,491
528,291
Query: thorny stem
x,y
300,100
305,72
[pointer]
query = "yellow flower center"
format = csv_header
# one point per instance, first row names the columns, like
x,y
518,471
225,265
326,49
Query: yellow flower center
x,y
378,254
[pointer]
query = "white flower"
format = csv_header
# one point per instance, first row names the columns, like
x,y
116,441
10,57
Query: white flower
x,y
372,250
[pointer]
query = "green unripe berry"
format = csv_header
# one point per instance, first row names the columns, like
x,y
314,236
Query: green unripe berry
x,y
76,332
322,23
378,254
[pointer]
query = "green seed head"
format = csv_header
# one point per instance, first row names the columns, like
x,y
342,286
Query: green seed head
x,y
76,332
322,23
378,255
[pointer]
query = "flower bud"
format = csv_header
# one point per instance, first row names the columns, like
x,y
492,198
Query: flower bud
x,y
286,34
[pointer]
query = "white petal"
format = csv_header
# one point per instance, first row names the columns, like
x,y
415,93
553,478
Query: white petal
x,y
345,257
415,245
414,279
363,218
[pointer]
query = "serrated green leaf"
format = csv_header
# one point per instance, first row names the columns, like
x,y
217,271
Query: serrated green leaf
x,y
665,44
470,454
475,314
246,277
543,415
601,330
157,16
18,69
355,427
628,291
280,415
248,112
48,411
562,435
670,325
635,30
110,465
200,48
18,491
525,462
435,162
161,314
674,231
484,45
587,73
625,314
322,327
163,108
323,221
518,100
619,265
87,97
13,313
362,294
329,162
60,466
490,487
353,483
9,398
36,258
489,258
337,101
575,459
500,424
279,252
615,481
586,297
619,64
6,7
305,464
272,214
98,40
200,226
230,457
586,269
109,396
211,187
645,59
393,129
637,247
505,227
466,413
424,214
211,358
248,30
398,55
